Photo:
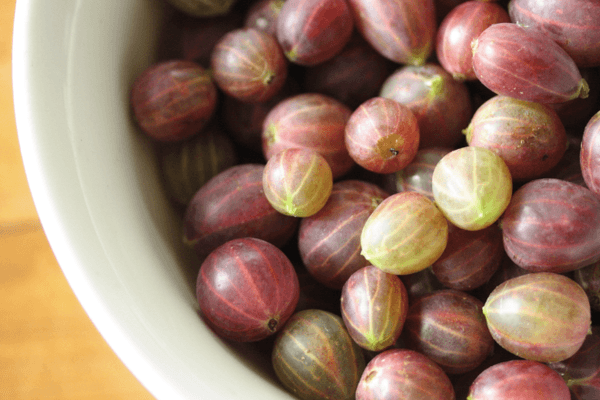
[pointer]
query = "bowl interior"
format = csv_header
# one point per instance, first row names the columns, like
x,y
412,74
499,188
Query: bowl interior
x,y
96,186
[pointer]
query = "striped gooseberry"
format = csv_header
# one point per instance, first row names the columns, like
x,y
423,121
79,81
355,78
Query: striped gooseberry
x,y
187,165
570,23
309,120
519,380
329,241
374,305
247,289
441,104
590,154
541,316
405,234
582,370
297,182
401,30
214,216
529,137
307,348
449,327
311,32
458,29
416,176
248,64
382,135
173,100
470,258
472,186
556,78
404,374
552,225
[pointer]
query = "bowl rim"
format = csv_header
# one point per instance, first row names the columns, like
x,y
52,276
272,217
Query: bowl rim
x,y
46,203
63,209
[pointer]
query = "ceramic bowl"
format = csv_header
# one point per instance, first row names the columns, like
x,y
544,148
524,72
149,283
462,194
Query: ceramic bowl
x,y
95,183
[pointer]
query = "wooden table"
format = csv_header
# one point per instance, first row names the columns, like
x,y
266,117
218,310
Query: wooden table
x,y
49,348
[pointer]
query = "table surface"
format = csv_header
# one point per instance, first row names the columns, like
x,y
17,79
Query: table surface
x,y
49,348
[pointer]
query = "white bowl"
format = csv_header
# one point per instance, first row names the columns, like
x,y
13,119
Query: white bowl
x,y
95,184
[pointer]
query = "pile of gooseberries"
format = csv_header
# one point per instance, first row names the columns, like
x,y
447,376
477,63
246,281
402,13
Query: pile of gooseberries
x,y
391,199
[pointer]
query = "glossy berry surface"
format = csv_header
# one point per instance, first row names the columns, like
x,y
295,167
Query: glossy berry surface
x,y
382,135
401,373
528,136
542,72
449,327
309,120
374,306
313,31
552,225
173,100
573,24
472,186
214,215
314,357
590,154
441,104
329,241
405,234
542,317
248,64
401,30
247,289
519,380
297,182
460,27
